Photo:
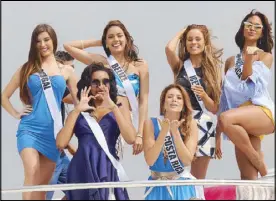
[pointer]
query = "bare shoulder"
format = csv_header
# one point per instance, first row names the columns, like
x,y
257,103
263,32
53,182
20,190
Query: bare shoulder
x,y
67,68
230,62
141,63
266,58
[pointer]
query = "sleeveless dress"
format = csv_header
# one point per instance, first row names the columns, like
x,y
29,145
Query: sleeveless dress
x,y
90,163
170,192
206,145
134,80
36,130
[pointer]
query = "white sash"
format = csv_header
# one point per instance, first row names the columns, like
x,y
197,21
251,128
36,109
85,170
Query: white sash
x,y
51,101
204,118
99,135
238,64
171,151
115,66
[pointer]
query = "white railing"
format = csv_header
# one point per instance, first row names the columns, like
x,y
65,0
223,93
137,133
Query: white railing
x,y
133,184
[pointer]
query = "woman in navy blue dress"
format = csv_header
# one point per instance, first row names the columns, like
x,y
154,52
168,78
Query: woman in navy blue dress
x,y
97,94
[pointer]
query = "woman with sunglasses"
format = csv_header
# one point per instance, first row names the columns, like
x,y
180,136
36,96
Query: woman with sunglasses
x,y
246,109
198,58
97,109
117,42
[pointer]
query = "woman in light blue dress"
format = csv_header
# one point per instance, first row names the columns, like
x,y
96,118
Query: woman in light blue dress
x,y
35,136
169,159
246,108
117,41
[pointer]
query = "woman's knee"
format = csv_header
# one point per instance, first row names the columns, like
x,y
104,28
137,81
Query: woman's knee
x,y
224,121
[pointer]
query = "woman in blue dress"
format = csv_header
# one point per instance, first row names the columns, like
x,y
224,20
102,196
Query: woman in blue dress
x,y
36,136
246,108
91,162
170,145
117,41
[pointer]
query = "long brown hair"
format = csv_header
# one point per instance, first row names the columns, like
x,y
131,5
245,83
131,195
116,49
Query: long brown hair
x,y
265,42
211,62
34,62
131,50
186,112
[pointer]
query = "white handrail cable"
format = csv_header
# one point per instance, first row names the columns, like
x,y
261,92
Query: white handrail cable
x,y
132,184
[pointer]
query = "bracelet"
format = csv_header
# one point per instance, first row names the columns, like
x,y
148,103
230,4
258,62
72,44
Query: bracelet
x,y
139,135
82,46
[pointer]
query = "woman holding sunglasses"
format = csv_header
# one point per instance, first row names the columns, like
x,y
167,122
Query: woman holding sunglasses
x,y
97,122
246,107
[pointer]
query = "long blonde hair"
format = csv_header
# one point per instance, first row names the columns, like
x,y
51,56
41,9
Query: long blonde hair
x,y
211,62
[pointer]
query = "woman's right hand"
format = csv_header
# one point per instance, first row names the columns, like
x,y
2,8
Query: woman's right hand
x,y
165,125
83,105
218,152
25,111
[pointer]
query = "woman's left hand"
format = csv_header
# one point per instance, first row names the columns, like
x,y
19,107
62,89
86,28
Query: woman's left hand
x,y
104,96
174,126
137,146
198,90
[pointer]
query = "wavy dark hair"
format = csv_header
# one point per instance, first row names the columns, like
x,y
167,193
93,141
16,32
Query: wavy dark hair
x,y
86,79
211,61
265,42
131,50
33,64
187,109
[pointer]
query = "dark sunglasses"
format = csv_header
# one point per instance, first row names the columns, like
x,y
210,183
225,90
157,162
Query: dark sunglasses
x,y
96,83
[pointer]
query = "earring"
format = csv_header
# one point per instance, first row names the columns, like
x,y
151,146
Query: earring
x,y
260,41
106,46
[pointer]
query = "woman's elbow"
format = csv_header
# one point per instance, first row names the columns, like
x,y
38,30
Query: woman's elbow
x,y
130,140
61,144
168,49
149,161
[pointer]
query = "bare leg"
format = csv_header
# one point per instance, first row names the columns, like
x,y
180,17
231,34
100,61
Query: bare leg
x,y
237,123
30,159
247,170
199,167
47,168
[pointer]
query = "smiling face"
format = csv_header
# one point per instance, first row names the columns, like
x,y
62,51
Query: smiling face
x,y
195,42
253,28
116,40
44,44
174,101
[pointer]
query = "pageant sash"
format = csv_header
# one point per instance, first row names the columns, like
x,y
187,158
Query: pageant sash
x,y
99,135
115,66
171,151
205,119
51,101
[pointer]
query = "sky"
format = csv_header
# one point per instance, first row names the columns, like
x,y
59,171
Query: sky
x,y
152,25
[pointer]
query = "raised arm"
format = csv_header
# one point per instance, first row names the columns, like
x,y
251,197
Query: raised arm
x,y
8,92
72,85
76,50
170,50
153,148
186,150
65,134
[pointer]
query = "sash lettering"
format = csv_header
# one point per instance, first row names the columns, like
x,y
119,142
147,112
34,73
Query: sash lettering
x,y
115,66
51,101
